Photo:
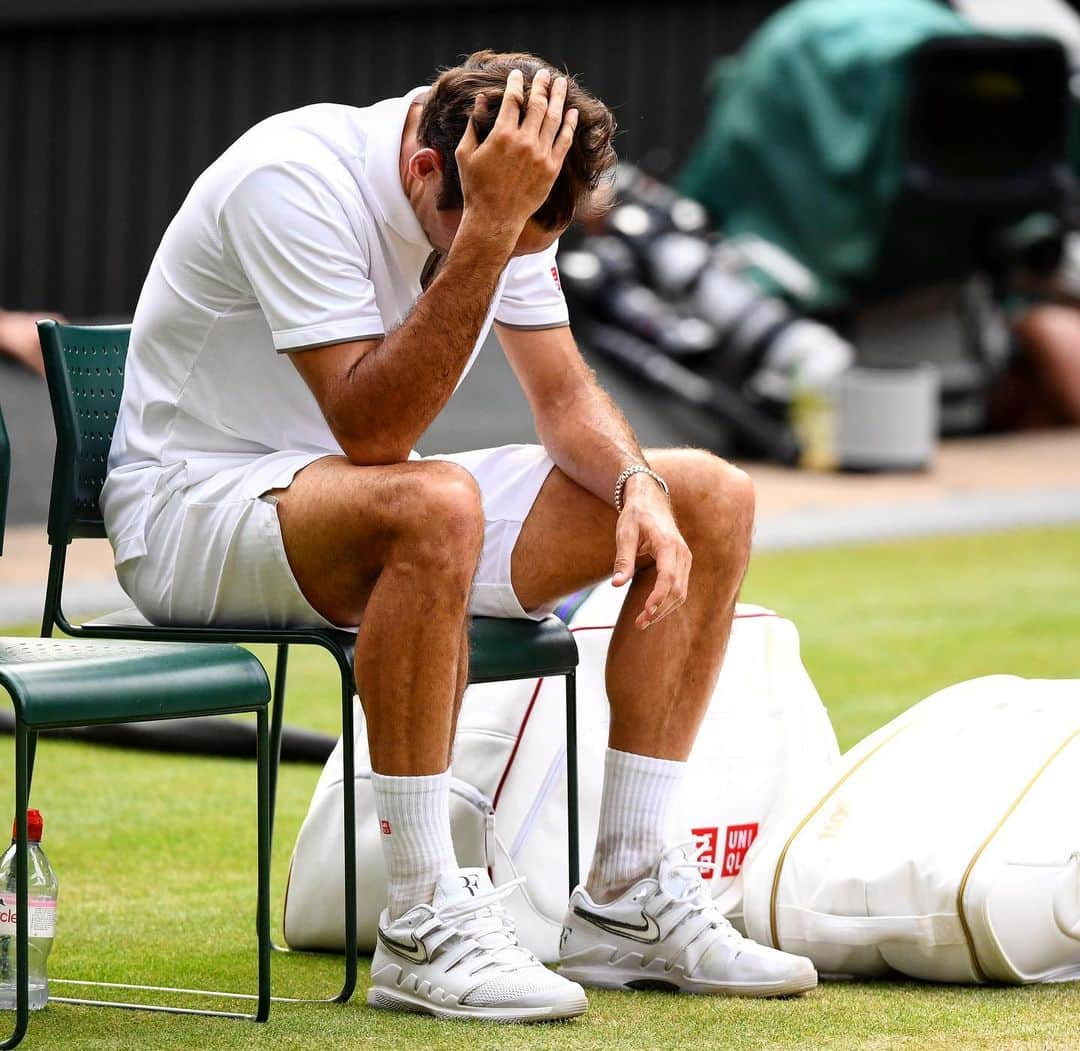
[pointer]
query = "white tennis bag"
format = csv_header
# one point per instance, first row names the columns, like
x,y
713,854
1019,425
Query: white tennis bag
x,y
945,846
766,731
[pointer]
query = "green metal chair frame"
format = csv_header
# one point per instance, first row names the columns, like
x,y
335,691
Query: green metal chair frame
x,y
5,477
84,367
61,683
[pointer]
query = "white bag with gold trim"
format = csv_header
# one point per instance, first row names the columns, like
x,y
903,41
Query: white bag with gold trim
x,y
945,846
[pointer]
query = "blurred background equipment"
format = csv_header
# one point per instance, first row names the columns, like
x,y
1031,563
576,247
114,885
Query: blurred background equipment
x,y
199,735
916,167
885,144
654,290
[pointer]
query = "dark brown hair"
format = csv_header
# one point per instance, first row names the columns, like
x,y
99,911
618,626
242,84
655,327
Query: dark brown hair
x,y
449,105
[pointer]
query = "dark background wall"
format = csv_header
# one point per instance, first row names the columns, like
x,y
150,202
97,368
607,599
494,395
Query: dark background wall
x,y
111,108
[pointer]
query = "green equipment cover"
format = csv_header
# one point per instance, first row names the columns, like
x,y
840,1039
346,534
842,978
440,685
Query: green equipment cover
x,y
805,142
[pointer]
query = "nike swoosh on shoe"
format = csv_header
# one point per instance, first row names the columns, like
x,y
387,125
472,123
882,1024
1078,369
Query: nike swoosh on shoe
x,y
648,931
412,950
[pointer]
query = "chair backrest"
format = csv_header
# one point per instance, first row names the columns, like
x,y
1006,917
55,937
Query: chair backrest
x,y
84,366
5,477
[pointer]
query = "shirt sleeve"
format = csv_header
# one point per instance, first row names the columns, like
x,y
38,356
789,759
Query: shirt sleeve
x,y
532,296
288,232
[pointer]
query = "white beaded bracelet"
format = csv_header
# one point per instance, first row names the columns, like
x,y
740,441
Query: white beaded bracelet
x,y
637,468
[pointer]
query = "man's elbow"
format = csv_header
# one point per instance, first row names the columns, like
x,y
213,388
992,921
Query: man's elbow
x,y
371,453
368,449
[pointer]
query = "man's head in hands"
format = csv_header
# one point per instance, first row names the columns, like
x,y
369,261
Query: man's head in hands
x,y
535,109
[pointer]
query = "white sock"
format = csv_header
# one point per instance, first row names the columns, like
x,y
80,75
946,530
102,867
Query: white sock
x,y
640,793
414,818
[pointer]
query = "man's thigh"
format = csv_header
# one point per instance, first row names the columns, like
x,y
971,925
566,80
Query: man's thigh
x,y
215,553
568,540
338,523
310,551
566,543
509,478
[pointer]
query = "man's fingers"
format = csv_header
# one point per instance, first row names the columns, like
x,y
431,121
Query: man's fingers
x,y
668,592
554,116
512,101
470,141
537,105
680,590
661,590
565,137
679,587
626,544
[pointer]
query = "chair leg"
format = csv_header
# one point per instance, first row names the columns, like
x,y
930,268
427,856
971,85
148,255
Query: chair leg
x,y
22,919
263,998
574,860
262,919
281,665
31,755
348,763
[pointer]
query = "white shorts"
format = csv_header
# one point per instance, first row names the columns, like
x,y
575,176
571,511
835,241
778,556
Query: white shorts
x,y
215,554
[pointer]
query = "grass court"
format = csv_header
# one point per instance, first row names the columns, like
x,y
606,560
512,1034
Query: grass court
x,y
156,854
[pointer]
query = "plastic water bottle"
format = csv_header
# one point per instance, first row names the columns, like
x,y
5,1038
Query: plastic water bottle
x,y
42,899
816,359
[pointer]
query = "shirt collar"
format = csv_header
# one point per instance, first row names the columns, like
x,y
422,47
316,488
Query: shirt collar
x,y
381,166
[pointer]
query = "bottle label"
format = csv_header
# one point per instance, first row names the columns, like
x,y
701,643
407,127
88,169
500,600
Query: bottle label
x,y
42,916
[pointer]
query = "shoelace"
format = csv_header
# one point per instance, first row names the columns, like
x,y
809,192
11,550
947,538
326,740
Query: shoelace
x,y
488,936
697,899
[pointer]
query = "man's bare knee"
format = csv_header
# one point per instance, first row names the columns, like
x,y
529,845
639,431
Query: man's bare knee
x,y
442,523
714,500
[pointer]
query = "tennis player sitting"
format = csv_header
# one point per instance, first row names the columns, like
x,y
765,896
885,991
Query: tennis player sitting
x,y
323,289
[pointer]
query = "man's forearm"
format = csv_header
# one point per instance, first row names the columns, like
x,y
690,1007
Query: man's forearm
x,y
592,442
391,394
384,395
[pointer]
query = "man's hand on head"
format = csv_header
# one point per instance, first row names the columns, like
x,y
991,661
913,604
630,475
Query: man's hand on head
x,y
506,178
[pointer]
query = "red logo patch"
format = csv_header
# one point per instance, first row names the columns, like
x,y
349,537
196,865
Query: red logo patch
x,y
555,277
385,826
707,839
736,843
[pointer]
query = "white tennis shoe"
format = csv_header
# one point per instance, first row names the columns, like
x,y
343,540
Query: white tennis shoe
x,y
666,932
459,958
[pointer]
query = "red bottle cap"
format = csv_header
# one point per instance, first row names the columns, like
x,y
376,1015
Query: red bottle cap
x,y
34,826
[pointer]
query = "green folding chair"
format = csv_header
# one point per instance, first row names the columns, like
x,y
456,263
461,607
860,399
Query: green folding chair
x,y
84,366
5,477
56,683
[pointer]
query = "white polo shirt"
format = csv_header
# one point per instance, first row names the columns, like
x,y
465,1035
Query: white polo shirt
x,y
298,235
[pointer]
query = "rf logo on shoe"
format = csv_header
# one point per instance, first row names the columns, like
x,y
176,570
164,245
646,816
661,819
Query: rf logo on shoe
x,y
464,959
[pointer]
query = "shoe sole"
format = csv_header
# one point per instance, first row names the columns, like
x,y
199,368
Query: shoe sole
x,y
616,978
399,1000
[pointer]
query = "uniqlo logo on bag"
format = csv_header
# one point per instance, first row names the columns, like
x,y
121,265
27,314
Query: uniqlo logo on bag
x,y
707,839
737,842
385,827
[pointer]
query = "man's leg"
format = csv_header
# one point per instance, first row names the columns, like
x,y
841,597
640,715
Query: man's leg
x,y
394,549
659,680
644,917
462,682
